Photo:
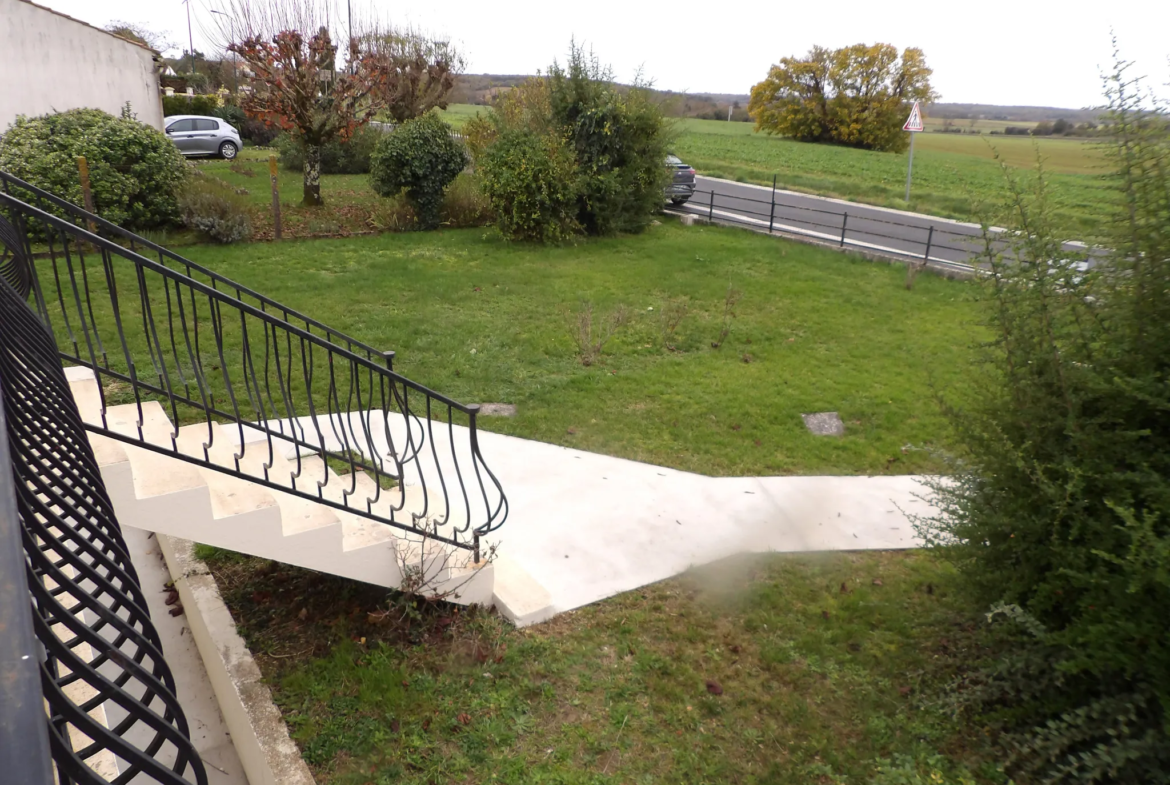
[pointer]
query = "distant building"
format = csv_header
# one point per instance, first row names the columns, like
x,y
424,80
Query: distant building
x,y
50,62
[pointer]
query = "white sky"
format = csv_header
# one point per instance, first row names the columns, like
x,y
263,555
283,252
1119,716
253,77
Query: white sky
x,y
1026,52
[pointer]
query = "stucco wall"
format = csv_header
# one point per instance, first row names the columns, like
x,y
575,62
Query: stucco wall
x,y
50,63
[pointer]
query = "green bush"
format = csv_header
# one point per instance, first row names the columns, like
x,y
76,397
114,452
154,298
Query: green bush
x,y
616,138
422,159
134,171
530,183
232,115
1060,505
349,157
214,210
619,140
465,204
206,105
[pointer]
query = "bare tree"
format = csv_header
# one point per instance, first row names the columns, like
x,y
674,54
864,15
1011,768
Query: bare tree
x,y
297,85
420,70
159,42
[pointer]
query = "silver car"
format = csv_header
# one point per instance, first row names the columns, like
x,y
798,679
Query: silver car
x,y
198,135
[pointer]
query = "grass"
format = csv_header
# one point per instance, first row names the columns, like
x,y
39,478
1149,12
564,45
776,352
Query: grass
x,y
482,320
955,176
767,669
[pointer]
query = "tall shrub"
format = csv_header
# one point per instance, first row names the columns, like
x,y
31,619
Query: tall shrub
x,y
422,159
530,182
619,140
1060,508
616,138
135,172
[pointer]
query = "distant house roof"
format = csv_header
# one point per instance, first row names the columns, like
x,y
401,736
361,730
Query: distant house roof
x,y
87,24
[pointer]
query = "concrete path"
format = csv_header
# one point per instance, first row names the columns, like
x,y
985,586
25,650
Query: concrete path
x,y
589,526
208,731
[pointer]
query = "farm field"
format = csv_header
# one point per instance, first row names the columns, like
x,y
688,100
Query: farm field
x,y
954,175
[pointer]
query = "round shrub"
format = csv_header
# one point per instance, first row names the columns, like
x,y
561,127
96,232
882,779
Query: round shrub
x,y
421,158
530,185
135,172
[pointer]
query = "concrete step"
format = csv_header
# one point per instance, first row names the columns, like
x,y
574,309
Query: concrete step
x,y
156,492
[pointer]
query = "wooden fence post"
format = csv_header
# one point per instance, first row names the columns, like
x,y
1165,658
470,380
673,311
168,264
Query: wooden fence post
x,y
272,175
86,191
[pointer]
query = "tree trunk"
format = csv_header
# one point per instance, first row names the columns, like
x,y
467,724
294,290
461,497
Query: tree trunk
x,y
312,197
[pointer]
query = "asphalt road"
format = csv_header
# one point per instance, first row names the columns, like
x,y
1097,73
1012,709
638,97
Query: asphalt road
x,y
905,234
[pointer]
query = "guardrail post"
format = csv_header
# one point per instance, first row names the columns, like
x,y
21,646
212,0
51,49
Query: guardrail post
x,y
844,223
711,209
929,238
389,357
772,215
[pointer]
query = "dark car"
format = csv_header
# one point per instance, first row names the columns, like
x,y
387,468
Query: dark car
x,y
197,135
683,186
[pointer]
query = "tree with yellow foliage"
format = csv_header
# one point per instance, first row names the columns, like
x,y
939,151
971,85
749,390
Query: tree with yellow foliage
x,y
858,96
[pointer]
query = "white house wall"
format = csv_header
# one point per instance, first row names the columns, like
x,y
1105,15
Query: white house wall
x,y
50,63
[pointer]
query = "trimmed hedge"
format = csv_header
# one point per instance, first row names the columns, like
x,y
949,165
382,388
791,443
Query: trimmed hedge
x,y
135,172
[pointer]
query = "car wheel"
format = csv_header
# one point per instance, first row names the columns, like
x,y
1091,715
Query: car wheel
x,y
228,150
679,201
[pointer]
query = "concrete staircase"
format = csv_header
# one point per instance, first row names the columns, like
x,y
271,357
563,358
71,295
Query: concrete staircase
x,y
171,496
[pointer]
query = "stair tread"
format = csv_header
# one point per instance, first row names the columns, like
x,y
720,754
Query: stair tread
x,y
229,495
154,474
86,395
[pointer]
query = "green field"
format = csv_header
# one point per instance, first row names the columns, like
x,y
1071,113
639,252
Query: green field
x,y
458,114
481,320
954,175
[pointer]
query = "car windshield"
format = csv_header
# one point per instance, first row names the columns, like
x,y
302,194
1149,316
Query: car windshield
x,y
673,160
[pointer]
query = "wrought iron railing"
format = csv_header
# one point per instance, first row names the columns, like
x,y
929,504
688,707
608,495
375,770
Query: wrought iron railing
x,y
212,351
77,646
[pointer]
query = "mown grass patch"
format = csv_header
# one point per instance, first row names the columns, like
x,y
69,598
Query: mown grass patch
x,y
764,669
483,320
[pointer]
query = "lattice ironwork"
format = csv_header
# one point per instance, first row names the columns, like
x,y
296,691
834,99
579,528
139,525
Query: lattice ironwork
x,y
107,690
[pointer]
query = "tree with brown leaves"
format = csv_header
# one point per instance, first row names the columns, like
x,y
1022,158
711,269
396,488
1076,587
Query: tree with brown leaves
x,y
297,87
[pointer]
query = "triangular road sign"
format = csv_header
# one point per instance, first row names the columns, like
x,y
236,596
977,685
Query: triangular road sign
x,y
914,122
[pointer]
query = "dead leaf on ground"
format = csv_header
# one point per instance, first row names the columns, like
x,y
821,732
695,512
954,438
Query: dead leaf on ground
x,y
714,688
464,719
877,582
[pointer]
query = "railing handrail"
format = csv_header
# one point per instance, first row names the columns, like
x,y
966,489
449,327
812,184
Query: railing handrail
x,y
251,310
24,746
125,234
295,411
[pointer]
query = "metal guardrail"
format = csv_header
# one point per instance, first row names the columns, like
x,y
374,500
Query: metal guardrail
x,y
206,353
86,695
857,229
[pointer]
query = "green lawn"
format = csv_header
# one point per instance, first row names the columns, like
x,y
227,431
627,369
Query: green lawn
x,y
481,320
953,175
771,669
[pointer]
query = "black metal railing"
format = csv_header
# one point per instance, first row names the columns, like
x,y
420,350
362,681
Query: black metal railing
x,y
284,386
941,243
77,646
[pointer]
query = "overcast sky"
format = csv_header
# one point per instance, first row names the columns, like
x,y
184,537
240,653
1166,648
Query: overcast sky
x,y
1026,52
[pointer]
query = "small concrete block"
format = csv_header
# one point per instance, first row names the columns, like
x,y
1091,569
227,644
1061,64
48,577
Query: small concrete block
x,y
497,409
518,597
687,220
824,424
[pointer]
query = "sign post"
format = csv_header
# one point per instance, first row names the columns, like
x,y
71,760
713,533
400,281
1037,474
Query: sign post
x,y
914,126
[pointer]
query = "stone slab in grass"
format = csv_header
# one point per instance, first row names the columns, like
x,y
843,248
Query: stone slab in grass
x,y
497,409
824,424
